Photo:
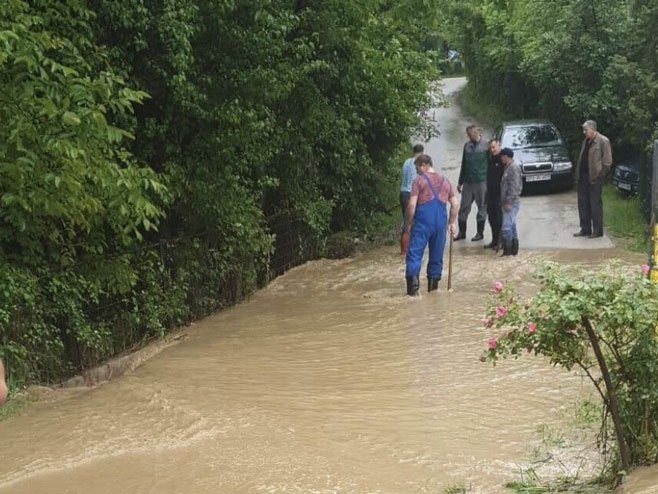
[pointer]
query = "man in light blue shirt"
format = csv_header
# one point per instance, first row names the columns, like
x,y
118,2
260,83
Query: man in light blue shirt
x,y
408,176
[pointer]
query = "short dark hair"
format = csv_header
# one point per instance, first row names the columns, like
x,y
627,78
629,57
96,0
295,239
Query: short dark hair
x,y
423,159
471,127
507,152
418,148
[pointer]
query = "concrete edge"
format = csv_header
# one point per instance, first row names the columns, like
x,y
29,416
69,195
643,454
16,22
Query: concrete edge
x,y
119,366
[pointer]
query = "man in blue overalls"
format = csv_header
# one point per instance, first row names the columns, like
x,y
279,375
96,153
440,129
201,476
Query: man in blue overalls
x,y
427,220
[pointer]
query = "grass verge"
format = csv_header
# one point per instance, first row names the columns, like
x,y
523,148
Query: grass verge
x,y
623,219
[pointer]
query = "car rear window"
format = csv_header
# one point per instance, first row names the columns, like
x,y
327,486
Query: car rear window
x,y
530,136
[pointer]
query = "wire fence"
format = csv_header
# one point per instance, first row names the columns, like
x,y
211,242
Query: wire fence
x,y
209,285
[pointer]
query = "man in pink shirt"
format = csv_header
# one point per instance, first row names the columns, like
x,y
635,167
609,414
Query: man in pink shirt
x,y
428,221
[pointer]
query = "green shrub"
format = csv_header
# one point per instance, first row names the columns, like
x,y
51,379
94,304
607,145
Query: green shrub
x,y
604,323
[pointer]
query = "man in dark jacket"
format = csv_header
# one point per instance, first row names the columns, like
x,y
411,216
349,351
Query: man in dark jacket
x,y
472,184
593,163
495,170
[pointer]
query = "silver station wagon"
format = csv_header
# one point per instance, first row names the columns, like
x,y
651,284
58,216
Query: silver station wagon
x,y
540,150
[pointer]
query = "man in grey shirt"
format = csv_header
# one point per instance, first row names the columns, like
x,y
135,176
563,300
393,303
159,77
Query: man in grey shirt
x,y
511,187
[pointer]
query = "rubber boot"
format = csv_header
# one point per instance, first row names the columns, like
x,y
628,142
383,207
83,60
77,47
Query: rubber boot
x,y
507,248
494,240
480,234
413,285
462,231
515,246
432,284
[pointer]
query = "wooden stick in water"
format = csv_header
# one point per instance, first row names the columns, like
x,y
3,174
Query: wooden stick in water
x,y
450,262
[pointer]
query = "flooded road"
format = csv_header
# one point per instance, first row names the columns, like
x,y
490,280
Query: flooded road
x,y
330,380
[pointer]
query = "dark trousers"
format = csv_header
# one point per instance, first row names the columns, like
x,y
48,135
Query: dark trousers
x,y
495,215
473,192
404,201
590,206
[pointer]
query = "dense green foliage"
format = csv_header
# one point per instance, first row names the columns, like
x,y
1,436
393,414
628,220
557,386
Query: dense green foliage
x,y
567,60
160,159
576,310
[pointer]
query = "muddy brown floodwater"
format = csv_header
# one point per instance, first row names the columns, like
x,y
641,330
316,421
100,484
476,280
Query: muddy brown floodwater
x,y
330,380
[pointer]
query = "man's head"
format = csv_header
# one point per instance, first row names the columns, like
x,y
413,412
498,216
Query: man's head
x,y
506,156
494,147
423,162
589,129
418,149
473,133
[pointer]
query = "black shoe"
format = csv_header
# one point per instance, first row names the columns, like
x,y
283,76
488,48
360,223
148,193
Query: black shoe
x,y
432,284
515,246
491,245
595,235
413,285
462,231
582,234
507,249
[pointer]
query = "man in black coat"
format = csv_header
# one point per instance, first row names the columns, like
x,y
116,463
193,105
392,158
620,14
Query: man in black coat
x,y
495,171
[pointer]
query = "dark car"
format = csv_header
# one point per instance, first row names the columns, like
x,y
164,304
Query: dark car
x,y
626,176
540,150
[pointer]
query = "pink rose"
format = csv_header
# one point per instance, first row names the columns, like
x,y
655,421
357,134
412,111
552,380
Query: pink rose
x,y
501,311
532,327
498,287
487,323
645,269
493,343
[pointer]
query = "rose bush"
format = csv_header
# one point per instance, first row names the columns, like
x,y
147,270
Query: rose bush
x,y
602,322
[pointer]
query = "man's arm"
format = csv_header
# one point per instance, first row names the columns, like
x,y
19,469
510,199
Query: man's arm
x,y
3,384
452,220
411,211
518,183
606,155
461,172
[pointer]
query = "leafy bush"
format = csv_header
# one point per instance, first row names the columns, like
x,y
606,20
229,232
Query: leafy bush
x,y
160,163
340,245
604,323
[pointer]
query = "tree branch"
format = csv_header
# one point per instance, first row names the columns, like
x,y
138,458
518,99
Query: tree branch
x,y
613,404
